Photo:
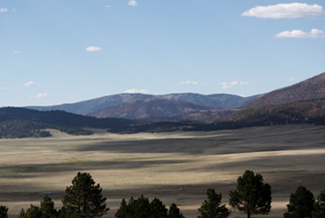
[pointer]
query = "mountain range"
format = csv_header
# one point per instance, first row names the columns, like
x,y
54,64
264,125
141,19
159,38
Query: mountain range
x,y
303,102
93,105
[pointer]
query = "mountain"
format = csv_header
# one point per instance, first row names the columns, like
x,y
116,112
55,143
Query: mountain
x,y
89,106
160,109
310,89
207,116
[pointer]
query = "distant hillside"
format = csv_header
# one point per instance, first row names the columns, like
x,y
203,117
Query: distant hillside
x,y
22,122
207,116
86,107
150,109
310,89
312,112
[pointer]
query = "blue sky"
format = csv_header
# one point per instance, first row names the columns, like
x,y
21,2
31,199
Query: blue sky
x,y
65,51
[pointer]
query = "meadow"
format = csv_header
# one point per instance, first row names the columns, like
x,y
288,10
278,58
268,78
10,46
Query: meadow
x,y
175,167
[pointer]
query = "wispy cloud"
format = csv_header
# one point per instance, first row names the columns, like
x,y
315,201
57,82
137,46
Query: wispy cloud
x,y
291,10
14,10
291,79
107,6
29,83
143,91
17,52
133,3
226,85
188,82
3,10
93,49
42,95
2,88
314,33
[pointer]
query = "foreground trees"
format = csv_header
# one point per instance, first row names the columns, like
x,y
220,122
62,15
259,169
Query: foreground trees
x,y
3,211
142,208
212,208
46,210
83,198
301,204
319,206
251,195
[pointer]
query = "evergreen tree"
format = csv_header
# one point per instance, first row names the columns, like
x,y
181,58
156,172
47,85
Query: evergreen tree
x,y
319,206
157,209
212,208
46,210
174,212
83,198
3,212
251,195
31,212
301,203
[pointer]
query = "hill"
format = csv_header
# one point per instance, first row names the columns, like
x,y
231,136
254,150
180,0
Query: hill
x,y
310,89
159,109
22,122
89,106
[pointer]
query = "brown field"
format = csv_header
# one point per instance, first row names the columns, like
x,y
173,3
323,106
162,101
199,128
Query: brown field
x,y
175,167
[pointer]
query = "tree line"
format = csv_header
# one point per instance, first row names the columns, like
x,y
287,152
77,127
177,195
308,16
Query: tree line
x,y
84,199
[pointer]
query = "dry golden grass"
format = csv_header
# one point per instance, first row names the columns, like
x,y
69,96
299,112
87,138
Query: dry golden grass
x,y
175,167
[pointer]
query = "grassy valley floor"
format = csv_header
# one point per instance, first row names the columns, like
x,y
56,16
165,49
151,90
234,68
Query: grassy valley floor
x,y
175,167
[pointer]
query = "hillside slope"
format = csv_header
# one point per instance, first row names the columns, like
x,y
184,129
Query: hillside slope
x,y
149,109
89,106
310,89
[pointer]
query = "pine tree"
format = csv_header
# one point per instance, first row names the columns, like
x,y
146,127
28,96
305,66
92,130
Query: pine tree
x,y
319,206
83,198
251,195
212,208
3,212
174,212
301,203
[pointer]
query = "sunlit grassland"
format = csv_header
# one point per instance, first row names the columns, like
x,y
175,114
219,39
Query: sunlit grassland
x,y
175,167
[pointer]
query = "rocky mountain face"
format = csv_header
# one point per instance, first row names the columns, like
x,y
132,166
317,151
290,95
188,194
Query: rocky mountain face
x,y
310,89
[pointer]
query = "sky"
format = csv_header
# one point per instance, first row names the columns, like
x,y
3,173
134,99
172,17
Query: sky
x,y
65,51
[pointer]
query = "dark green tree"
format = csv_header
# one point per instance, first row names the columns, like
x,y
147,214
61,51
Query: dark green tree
x,y
3,211
31,212
301,203
157,209
251,195
174,212
83,198
319,206
46,210
212,207
141,208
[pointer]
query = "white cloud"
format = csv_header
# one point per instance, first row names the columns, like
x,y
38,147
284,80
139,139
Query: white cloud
x,y
226,85
291,10
314,33
3,9
143,91
14,10
42,95
188,82
291,79
30,83
132,3
93,49
2,88
107,6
